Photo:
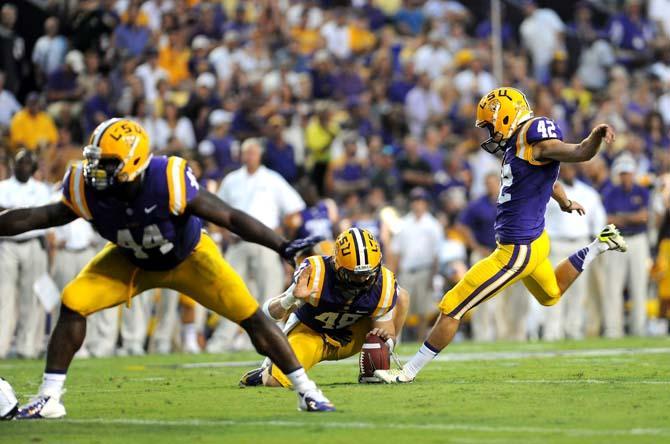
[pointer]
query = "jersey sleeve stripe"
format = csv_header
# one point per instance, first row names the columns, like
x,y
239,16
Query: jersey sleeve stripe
x,y
521,147
76,201
80,194
176,185
317,277
385,298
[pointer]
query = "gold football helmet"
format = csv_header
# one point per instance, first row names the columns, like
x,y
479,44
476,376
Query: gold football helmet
x,y
118,151
501,111
358,260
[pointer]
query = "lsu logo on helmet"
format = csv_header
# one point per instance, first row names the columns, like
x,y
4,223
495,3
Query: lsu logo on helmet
x,y
118,151
501,111
358,260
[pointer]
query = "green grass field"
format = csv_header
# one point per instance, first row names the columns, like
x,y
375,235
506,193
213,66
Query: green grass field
x,y
590,391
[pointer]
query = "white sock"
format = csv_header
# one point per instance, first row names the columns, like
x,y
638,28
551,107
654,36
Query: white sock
x,y
300,380
425,354
52,384
582,258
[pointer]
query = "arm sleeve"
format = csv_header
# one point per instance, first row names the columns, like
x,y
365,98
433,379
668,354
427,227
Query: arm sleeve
x,y
73,192
388,316
541,129
182,185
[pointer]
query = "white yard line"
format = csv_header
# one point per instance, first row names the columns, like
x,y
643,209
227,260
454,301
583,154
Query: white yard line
x,y
371,425
479,356
584,381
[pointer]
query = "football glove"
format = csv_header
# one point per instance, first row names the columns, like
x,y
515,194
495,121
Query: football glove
x,y
289,250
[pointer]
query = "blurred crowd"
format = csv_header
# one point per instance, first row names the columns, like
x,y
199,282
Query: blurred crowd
x,y
318,115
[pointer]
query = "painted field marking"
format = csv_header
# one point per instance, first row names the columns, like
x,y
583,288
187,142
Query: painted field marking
x,y
369,425
466,357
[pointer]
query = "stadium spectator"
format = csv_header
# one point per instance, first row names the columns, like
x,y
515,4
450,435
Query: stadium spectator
x,y
62,86
414,257
631,34
414,170
49,51
627,207
12,49
76,243
150,73
433,57
280,155
23,260
99,107
264,194
567,232
542,35
8,105
131,36
220,146
32,128
422,105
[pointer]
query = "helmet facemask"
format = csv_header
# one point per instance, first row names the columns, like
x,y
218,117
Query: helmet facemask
x,y
495,141
354,283
100,172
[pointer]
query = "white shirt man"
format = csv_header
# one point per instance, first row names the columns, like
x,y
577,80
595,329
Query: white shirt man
x,y
541,35
568,231
265,195
336,35
416,247
432,58
422,104
76,244
23,260
50,49
150,73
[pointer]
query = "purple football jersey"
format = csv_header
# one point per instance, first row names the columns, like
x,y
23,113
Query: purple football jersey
x,y
526,184
329,312
153,230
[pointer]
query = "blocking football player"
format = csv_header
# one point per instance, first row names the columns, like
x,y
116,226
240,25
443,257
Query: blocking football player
x,y
334,302
533,150
150,209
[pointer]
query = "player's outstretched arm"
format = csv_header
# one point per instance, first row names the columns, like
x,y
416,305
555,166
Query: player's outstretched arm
x,y
210,208
20,220
554,149
567,205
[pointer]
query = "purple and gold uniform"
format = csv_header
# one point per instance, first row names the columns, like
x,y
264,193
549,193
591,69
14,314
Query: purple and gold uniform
x,y
523,245
154,243
329,327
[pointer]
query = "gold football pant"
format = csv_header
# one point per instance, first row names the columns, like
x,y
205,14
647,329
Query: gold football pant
x,y
111,279
505,266
311,347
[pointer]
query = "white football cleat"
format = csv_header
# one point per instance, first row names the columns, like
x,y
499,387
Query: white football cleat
x,y
314,401
611,236
42,407
9,405
393,376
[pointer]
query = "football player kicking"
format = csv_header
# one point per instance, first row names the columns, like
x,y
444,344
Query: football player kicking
x,y
533,150
337,300
150,209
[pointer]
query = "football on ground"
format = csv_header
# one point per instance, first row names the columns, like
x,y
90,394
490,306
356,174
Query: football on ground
x,y
374,355
593,391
